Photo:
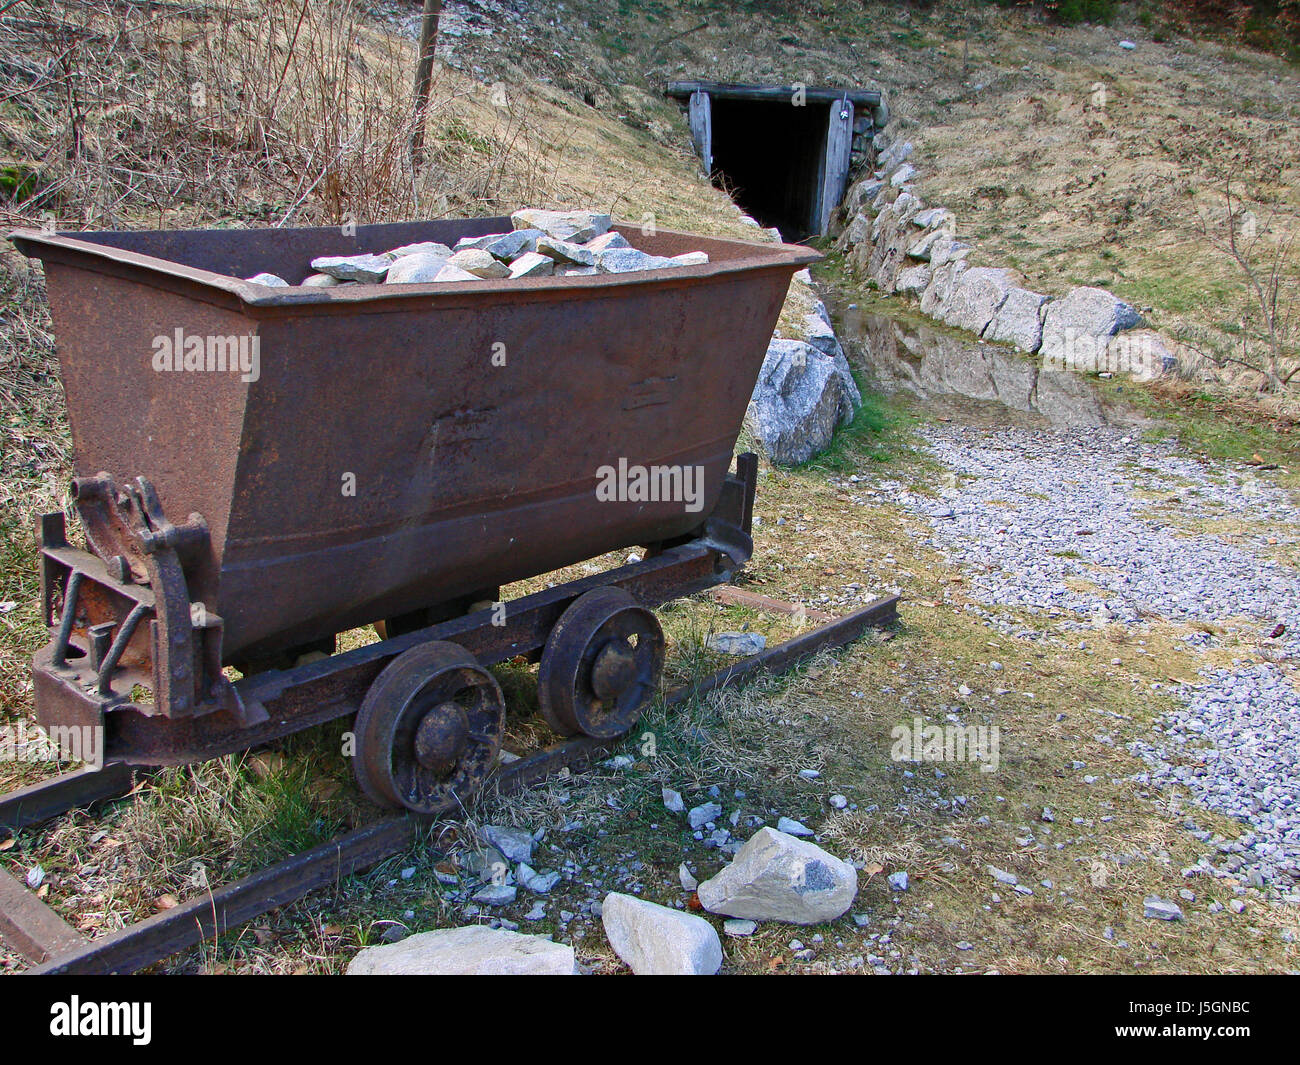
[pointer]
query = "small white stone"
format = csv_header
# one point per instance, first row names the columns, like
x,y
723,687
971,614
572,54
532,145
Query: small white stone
x,y
703,814
515,843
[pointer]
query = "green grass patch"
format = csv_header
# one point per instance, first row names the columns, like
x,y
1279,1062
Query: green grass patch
x,y
1213,426
877,434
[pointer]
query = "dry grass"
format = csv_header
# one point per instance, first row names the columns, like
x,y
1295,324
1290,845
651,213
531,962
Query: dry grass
x,y
836,546
1064,156
1079,163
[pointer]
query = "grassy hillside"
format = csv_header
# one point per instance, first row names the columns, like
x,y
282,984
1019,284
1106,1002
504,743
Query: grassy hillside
x,y
257,112
1064,155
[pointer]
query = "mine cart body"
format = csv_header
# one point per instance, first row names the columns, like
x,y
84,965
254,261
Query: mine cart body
x,y
390,449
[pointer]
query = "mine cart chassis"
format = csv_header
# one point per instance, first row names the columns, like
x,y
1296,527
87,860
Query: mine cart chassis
x,y
429,714
129,624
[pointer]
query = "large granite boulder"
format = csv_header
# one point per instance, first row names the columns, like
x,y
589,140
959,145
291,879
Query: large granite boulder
x,y
777,877
1078,328
656,941
799,400
976,297
1019,320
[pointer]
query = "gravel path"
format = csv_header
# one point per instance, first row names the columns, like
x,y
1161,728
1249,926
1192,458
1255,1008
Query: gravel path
x,y
1041,506
1029,509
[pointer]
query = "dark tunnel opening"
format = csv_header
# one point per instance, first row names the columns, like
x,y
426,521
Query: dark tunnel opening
x,y
769,155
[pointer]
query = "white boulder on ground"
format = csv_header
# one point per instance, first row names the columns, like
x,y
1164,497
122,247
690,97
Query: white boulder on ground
x,y
1078,328
475,950
776,877
656,941
799,400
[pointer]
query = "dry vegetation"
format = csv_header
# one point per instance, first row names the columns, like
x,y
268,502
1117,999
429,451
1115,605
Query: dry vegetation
x,y
239,113
301,121
1063,155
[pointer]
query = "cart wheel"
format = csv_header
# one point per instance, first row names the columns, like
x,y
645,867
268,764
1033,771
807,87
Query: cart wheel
x,y
601,665
428,729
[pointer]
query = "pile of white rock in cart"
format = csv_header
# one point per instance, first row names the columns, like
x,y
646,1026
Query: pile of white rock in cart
x,y
542,244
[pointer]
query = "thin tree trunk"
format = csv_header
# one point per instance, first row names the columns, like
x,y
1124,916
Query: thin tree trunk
x,y
424,77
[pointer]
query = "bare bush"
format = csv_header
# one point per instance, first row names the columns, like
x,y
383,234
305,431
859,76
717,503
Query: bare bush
x,y
1269,331
235,111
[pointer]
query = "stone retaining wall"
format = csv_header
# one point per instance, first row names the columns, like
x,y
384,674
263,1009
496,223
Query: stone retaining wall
x,y
902,245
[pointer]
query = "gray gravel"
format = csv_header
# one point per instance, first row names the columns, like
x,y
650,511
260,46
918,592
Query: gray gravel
x,y
1035,499
1234,747
1025,509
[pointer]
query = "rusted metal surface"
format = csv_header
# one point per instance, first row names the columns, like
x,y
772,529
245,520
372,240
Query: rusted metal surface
x,y
601,665
307,505
733,596
216,915
429,729
277,703
273,704
40,802
30,927
468,473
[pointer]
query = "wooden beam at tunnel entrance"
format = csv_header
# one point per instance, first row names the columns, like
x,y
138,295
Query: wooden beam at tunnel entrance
x,y
701,119
835,169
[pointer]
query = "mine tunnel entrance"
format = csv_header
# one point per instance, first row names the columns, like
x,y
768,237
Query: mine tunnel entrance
x,y
767,154
783,152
